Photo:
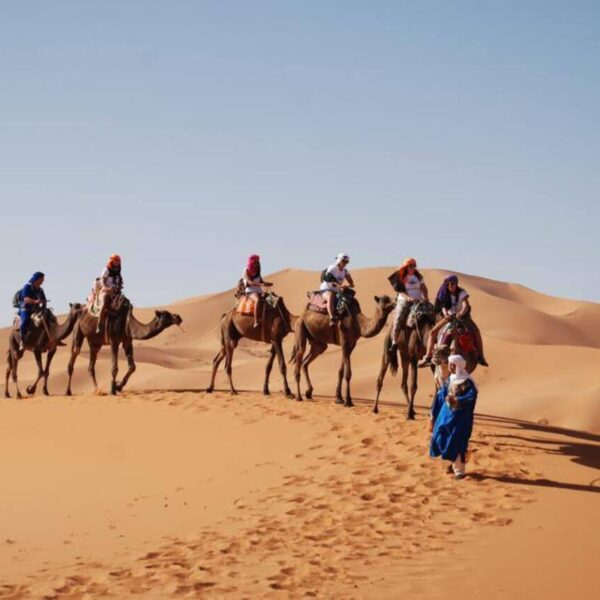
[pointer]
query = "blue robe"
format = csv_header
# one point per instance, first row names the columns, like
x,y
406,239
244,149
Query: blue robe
x,y
453,426
438,401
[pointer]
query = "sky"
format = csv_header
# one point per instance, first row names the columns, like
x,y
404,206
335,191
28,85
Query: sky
x,y
186,135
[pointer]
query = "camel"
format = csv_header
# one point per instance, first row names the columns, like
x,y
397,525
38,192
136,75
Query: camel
x,y
123,328
442,352
313,327
412,347
276,323
38,342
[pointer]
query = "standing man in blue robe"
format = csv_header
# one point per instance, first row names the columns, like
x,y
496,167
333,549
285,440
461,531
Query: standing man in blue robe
x,y
454,423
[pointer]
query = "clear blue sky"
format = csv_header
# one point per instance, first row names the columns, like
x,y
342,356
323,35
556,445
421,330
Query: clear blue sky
x,y
186,135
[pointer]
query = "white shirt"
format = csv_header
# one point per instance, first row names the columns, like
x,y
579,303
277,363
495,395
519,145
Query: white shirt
x,y
457,302
252,283
413,284
339,274
107,280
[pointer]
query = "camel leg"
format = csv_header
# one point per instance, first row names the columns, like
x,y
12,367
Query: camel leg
x,y
216,362
282,368
92,364
338,391
385,361
316,349
128,349
15,364
299,351
49,358
9,367
348,375
229,348
75,350
404,384
38,361
114,348
268,370
412,365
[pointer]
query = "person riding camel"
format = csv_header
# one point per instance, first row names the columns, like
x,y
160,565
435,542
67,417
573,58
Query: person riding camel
x,y
111,285
254,284
453,302
32,299
332,282
411,288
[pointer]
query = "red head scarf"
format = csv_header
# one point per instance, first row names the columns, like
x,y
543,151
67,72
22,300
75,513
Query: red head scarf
x,y
253,266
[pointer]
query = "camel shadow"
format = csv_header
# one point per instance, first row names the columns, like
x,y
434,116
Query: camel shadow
x,y
538,482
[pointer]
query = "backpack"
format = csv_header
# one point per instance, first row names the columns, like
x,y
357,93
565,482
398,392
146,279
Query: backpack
x,y
323,275
16,301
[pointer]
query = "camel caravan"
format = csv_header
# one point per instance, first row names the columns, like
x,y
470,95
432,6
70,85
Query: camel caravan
x,y
422,334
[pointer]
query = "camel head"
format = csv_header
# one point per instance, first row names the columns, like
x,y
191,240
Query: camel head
x,y
385,304
75,308
166,319
440,354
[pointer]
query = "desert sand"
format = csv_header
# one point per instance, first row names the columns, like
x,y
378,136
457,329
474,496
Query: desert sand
x,y
166,491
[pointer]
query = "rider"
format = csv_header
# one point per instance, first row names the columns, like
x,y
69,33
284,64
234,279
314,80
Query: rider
x,y
254,283
111,282
453,302
333,278
32,298
409,284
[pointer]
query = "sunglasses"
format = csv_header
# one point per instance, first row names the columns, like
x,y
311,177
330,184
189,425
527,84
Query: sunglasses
x,y
412,266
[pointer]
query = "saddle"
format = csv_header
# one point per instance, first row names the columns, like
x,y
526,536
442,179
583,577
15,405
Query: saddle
x,y
418,310
318,303
455,330
245,304
40,318
94,303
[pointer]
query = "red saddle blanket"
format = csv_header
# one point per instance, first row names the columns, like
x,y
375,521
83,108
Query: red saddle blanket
x,y
317,303
245,306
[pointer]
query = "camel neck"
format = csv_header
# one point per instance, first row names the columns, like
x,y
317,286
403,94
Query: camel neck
x,y
370,327
143,331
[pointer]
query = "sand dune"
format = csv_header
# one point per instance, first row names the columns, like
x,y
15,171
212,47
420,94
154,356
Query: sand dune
x,y
170,492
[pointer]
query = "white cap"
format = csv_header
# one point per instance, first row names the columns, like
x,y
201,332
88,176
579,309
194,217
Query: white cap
x,y
342,256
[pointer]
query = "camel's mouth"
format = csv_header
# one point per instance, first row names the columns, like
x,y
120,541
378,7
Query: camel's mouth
x,y
177,320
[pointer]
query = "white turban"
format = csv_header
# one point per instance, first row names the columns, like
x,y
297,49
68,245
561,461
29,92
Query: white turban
x,y
461,374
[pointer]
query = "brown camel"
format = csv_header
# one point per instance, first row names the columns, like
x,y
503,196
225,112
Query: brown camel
x,y
37,341
412,347
276,322
123,328
314,327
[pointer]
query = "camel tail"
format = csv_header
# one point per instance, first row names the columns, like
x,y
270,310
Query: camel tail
x,y
392,355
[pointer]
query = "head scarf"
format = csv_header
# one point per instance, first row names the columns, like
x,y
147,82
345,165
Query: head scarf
x,y
403,270
443,295
37,275
461,374
253,266
114,261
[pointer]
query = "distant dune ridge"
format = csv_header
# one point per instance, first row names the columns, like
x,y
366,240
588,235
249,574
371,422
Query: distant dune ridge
x,y
544,351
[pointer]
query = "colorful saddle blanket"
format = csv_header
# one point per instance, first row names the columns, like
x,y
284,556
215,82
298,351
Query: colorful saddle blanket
x,y
316,302
245,306
464,337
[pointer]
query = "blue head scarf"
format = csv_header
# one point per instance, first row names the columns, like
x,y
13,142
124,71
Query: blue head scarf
x,y
37,275
443,295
